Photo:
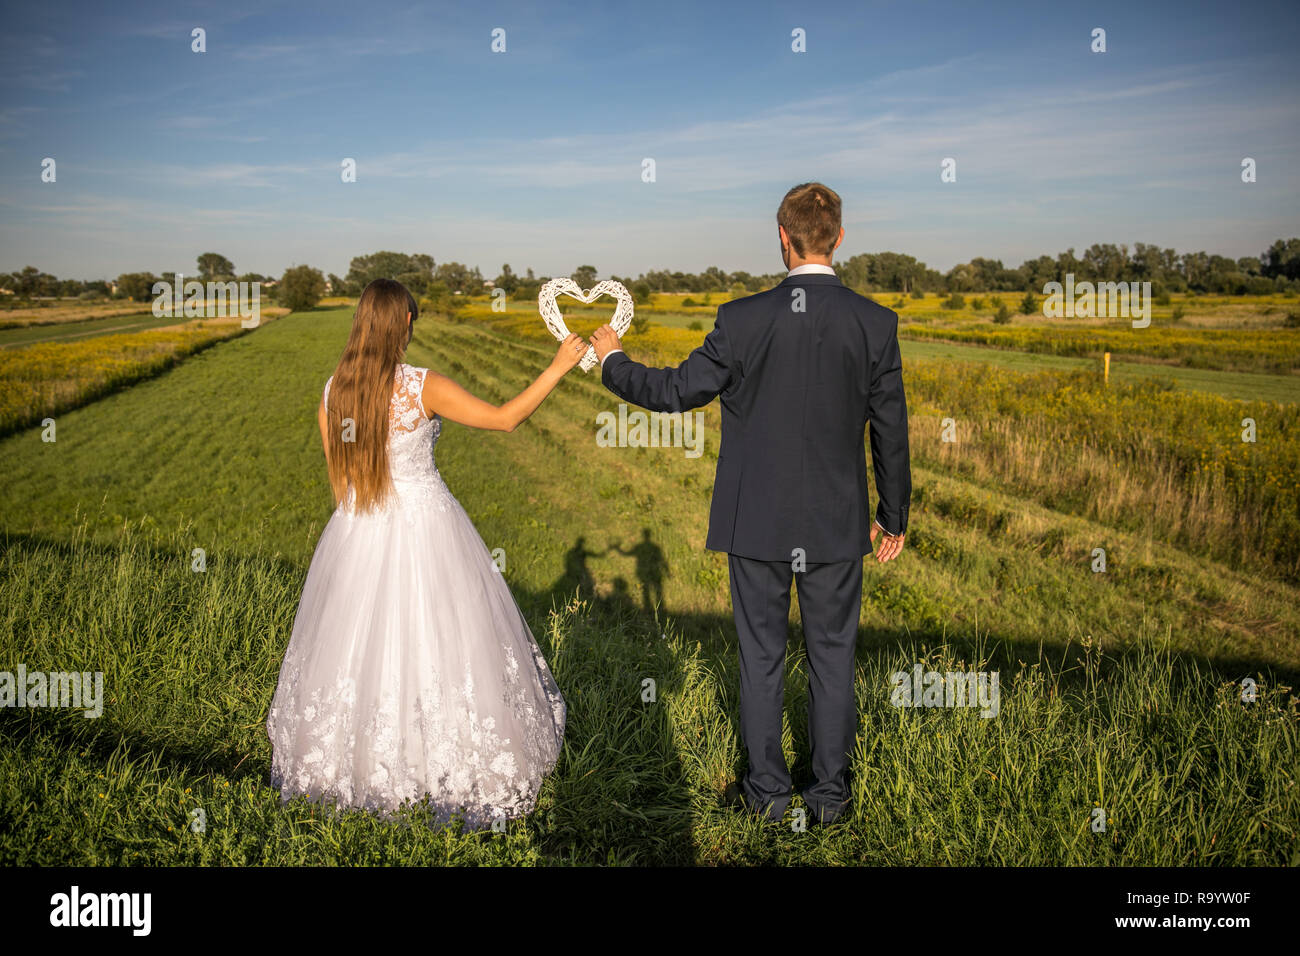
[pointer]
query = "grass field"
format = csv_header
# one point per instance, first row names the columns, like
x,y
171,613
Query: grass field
x,y
1258,386
61,311
93,328
1119,690
1258,335
42,380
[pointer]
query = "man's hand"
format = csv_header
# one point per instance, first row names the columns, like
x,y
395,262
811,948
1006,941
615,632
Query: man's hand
x,y
605,341
890,546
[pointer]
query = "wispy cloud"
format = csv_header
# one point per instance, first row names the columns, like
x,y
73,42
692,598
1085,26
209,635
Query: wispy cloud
x,y
535,156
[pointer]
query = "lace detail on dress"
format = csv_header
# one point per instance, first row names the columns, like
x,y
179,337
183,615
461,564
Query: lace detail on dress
x,y
412,437
459,757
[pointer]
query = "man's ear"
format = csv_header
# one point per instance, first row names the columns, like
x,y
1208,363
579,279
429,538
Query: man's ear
x,y
839,240
785,239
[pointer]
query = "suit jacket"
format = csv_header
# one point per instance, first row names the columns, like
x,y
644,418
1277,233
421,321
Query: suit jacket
x,y
798,389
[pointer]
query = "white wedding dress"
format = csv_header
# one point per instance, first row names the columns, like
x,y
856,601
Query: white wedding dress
x,y
411,670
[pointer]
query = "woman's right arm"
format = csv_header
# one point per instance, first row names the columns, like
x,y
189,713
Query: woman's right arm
x,y
322,418
442,396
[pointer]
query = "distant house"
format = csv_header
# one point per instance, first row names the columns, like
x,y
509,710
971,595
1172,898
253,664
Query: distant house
x,y
489,284
6,291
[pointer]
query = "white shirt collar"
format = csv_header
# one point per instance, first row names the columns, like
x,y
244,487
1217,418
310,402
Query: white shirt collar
x,y
811,268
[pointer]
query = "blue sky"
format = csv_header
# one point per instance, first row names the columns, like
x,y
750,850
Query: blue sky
x,y
533,156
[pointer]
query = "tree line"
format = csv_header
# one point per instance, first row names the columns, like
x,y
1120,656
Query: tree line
x,y
1277,269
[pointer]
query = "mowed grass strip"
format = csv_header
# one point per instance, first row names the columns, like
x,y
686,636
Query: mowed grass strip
x,y
1246,350
1243,386
42,380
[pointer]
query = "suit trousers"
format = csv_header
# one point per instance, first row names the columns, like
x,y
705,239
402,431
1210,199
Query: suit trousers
x,y
830,598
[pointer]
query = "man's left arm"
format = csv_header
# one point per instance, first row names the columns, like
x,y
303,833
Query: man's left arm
x,y
697,381
890,455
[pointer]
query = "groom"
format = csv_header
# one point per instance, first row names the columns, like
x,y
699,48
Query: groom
x,y
802,369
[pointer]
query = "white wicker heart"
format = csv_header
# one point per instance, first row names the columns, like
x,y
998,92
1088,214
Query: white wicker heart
x,y
555,321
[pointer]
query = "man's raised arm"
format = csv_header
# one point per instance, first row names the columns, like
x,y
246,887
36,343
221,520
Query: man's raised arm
x,y
697,381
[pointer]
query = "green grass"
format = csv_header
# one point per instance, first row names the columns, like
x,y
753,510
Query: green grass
x,y
89,328
1241,385
1117,689
1186,773
683,320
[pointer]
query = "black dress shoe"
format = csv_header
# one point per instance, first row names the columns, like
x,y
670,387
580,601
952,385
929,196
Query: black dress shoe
x,y
824,818
734,796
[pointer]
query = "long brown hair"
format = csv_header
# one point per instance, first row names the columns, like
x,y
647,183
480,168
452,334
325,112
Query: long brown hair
x,y
357,447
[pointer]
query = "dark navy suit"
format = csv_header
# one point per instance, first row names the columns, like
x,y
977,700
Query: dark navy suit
x,y
803,370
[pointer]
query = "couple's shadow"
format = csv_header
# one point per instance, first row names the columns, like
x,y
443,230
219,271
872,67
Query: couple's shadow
x,y
651,569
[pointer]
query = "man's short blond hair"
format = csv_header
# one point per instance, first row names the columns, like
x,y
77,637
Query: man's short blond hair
x,y
810,215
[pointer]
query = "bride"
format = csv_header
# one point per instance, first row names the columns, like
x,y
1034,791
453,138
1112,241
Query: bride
x,y
410,670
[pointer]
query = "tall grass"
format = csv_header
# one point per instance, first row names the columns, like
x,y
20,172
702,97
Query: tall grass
x,y
1140,456
1185,772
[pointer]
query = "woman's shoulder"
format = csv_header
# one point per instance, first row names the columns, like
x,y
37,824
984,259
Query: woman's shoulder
x,y
412,373
411,378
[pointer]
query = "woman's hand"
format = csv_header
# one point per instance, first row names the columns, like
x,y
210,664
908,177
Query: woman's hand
x,y
570,352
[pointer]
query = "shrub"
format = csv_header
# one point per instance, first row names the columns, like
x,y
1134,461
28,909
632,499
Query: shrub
x,y
1003,314
1178,313
300,288
136,286
955,301
696,326
977,303
918,294
1028,305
